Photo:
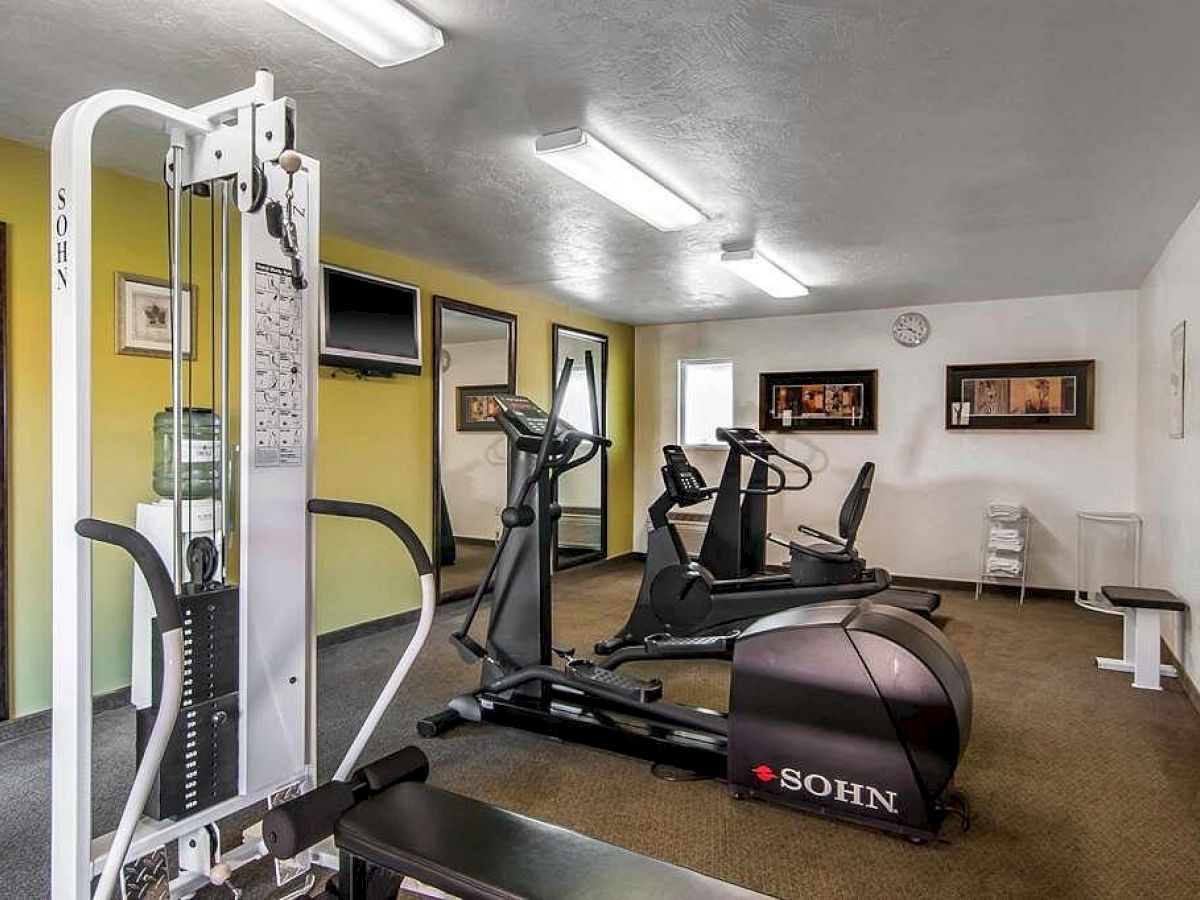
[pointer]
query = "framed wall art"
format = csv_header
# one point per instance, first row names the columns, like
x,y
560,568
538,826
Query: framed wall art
x,y
476,408
1049,396
1178,378
818,401
144,316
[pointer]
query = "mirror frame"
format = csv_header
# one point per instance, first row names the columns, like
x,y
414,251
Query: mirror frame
x,y
440,305
5,686
602,381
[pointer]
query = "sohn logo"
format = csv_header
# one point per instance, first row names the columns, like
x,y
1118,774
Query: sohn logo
x,y
764,773
821,787
62,226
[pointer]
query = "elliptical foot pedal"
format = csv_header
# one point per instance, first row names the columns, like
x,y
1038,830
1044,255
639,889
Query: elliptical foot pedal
x,y
664,645
635,688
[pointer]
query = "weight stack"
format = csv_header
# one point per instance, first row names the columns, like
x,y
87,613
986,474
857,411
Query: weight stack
x,y
200,767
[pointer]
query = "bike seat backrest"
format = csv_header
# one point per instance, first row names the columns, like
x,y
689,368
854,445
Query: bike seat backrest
x,y
855,505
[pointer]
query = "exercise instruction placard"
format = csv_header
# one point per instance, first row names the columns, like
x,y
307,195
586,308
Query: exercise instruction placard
x,y
278,369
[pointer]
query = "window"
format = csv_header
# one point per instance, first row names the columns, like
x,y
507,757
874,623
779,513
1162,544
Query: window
x,y
577,402
705,400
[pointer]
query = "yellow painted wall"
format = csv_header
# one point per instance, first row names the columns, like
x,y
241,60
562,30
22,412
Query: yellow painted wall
x,y
374,437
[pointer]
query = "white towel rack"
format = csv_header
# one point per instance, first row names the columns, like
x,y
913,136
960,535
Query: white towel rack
x,y
1005,546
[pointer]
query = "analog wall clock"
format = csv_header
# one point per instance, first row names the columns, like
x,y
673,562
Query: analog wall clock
x,y
911,329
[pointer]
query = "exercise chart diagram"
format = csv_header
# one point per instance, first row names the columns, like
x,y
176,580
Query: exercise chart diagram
x,y
278,369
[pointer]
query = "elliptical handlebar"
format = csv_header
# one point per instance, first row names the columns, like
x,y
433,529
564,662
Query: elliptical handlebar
x,y
576,437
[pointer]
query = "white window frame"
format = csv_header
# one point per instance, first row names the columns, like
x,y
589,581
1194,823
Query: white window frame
x,y
681,392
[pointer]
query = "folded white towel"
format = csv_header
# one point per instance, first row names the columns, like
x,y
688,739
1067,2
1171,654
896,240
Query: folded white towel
x,y
1005,511
1006,546
1003,565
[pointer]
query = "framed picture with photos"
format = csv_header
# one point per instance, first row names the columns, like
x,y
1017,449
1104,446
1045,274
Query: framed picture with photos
x,y
476,408
818,401
1044,396
144,316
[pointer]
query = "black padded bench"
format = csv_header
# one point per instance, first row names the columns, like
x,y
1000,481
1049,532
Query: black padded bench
x,y
477,851
1140,608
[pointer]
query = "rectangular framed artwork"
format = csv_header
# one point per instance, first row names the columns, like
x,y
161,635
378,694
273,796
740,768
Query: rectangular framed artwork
x,y
1048,396
476,407
1178,386
818,401
144,316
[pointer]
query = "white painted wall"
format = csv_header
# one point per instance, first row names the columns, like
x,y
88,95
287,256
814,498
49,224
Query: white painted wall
x,y
474,476
931,485
1168,482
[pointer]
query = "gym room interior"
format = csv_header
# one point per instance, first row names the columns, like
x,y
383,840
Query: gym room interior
x,y
562,449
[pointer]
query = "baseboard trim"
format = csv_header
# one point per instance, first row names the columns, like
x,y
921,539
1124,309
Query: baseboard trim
x,y
1185,680
475,541
953,584
40,721
364,629
619,559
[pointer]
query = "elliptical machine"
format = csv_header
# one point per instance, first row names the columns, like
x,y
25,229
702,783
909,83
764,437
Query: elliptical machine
x,y
729,585
848,709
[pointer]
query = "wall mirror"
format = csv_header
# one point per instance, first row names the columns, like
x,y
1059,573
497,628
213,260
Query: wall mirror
x,y
582,534
4,688
474,359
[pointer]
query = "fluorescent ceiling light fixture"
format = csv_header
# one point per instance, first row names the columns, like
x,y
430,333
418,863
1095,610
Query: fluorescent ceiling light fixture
x,y
751,266
580,155
380,31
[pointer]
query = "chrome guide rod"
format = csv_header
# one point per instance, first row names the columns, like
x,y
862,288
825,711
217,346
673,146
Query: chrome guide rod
x,y
176,176
226,422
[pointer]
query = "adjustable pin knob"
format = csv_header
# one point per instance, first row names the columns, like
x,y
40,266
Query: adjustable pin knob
x,y
290,161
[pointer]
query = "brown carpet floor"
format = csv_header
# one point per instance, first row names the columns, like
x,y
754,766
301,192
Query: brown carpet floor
x,y
471,558
1079,785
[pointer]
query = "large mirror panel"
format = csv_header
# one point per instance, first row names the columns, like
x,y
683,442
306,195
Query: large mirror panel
x,y
582,534
475,356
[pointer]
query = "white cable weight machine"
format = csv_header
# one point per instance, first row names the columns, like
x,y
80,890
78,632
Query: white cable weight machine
x,y
239,150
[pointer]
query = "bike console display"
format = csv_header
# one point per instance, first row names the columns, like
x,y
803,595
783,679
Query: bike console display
x,y
684,481
747,441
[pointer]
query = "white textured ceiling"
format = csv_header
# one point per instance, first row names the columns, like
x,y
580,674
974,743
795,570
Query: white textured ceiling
x,y
888,151
465,328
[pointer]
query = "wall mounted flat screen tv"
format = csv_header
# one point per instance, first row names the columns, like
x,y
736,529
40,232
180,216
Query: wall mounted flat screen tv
x,y
369,323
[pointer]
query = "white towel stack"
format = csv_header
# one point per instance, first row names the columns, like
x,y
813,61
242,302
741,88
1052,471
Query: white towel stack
x,y
1006,511
1009,566
1009,539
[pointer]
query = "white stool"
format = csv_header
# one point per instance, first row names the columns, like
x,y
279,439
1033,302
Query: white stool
x,y
1140,608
